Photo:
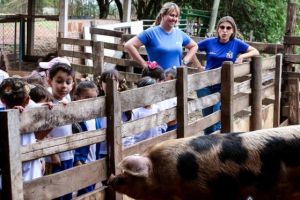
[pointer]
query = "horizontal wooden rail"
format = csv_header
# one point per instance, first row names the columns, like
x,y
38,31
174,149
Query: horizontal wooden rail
x,y
57,145
291,40
204,79
106,32
42,118
71,41
58,184
75,54
292,58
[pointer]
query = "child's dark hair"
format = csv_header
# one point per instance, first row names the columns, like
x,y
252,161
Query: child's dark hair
x,y
172,72
83,85
144,81
39,93
156,73
113,74
61,67
14,92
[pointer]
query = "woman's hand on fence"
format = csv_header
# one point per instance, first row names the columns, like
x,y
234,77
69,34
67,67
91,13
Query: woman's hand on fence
x,y
20,108
239,59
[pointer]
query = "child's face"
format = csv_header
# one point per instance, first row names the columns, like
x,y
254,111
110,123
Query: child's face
x,y
88,93
169,77
61,85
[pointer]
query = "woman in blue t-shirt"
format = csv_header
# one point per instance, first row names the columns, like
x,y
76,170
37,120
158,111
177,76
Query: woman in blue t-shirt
x,y
163,41
224,47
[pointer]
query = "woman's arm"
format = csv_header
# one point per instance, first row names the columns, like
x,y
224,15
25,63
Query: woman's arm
x,y
251,51
132,46
192,47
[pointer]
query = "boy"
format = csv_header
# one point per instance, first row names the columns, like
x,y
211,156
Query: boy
x,y
61,81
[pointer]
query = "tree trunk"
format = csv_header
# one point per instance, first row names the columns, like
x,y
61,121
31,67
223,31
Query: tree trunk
x,y
104,8
120,9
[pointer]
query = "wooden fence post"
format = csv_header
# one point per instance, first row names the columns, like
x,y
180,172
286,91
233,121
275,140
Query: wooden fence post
x,y
293,91
256,93
227,93
10,155
182,109
113,133
98,58
278,75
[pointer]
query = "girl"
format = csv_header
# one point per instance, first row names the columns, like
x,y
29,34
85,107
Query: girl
x,y
14,94
87,154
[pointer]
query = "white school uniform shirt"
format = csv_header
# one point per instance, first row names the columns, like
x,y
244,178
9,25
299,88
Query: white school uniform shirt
x,y
91,126
3,75
30,169
139,113
62,131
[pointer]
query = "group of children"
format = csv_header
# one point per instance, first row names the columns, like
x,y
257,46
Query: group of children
x,y
54,83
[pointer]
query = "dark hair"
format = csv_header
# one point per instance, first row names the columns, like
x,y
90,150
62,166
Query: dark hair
x,y
61,67
230,20
157,73
147,80
172,71
113,74
39,92
83,85
35,79
14,91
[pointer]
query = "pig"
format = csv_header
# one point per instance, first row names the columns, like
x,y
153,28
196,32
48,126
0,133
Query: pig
x,y
264,165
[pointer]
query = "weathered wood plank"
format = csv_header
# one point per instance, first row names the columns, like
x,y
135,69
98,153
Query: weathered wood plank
x,y
256,94
227,92
293,101
148,95
269,63
145,144
278,76
42,118
292,58
204,79
130,77
56,145
72,41
100,31
203,102
114,136
137,126
54,185
196,127
241,101
291,40
75,54
97,194
287,75
241,69
122,62
182,106
12,182
83,68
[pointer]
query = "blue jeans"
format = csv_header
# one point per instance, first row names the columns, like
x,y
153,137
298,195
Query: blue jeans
x,y
66,164
206,111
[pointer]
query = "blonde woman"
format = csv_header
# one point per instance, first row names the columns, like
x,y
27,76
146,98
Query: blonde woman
x,y
163,41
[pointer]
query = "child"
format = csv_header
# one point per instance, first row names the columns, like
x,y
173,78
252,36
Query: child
x,y
101,83
141,113
14,94
39,94
87,154
61,81
154,71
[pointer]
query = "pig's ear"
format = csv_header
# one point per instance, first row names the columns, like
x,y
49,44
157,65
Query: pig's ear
x,y
136,165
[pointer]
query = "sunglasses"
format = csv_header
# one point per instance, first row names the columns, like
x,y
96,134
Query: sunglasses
x,y
225,27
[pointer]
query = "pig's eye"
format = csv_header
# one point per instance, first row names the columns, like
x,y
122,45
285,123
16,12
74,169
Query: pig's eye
x,y
120,181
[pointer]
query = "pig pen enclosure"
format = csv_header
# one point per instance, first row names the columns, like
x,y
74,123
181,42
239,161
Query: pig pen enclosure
x,y
251,98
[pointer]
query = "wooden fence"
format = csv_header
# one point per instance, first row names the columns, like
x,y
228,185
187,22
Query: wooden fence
x,y
250,100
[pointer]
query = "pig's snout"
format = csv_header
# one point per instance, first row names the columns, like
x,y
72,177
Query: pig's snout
x,y
114,181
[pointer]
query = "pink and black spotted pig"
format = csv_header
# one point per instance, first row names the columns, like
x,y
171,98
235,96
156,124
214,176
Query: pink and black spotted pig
x,y
262,164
